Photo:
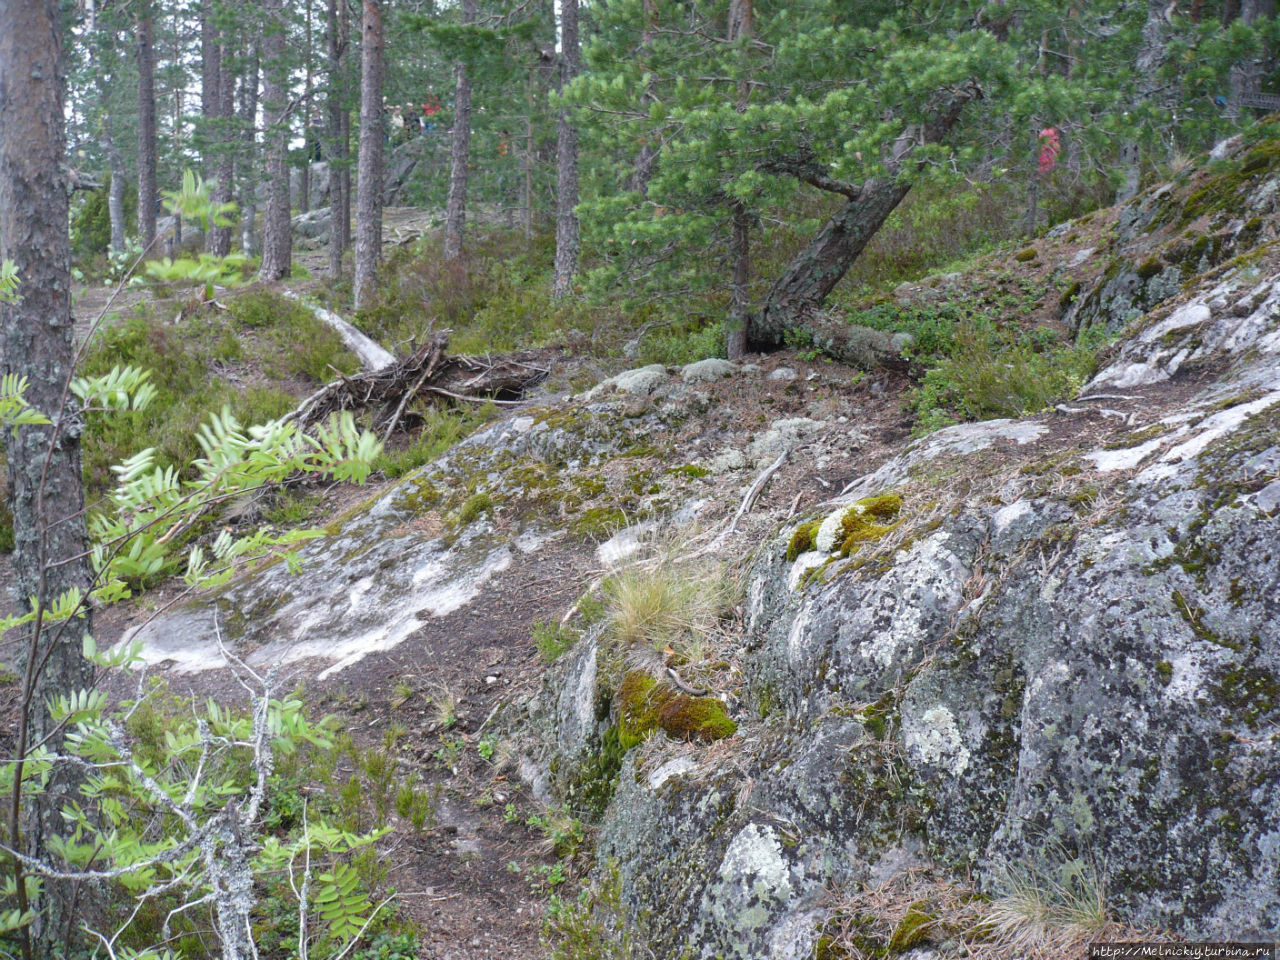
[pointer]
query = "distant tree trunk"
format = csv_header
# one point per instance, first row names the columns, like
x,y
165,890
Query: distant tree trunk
x,y
642,169
249,127
337,141
277,240
210,84
46,494
369,174
459,152
567,240
1246,78
225,162
119,175
1151,55
794,300
308,139
741,28
146,128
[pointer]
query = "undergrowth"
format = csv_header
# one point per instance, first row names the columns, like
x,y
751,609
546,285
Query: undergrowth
x,y
214,359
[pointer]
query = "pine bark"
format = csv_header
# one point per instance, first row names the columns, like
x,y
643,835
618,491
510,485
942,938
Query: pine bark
x,y
567,238
459,152
1246,77
642,169
249,146
741,28
225,158
369,172
793,301
45,491
119,175
147,195
336,141
277,240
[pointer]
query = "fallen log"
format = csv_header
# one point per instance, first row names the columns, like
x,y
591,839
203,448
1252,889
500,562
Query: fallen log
x,y
388,390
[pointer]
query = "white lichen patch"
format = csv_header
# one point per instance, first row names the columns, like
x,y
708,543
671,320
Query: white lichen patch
x,y
755,857
934,738
809,560
674,767
828,535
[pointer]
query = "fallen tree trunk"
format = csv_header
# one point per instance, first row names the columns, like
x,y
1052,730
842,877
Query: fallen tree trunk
x,y
373,356
429,369
794,302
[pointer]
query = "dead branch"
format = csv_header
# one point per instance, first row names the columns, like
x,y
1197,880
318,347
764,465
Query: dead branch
x,y
429,369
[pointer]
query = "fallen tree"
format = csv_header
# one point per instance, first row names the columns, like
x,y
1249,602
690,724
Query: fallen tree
x,y
429,369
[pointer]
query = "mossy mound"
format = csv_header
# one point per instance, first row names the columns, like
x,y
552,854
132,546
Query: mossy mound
x,y
696,718
644,704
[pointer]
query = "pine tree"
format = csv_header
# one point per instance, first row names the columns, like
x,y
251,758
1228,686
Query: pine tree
x,y
369,174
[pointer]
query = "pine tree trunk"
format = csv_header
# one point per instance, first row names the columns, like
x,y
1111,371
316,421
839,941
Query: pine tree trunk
x,y
567,239
741,27
249,127
642,169
337,144
735,337
277,240
793,302
1150,57
1246,78
115,195
459,152
369,174
225,161
147,195
210,85
45,491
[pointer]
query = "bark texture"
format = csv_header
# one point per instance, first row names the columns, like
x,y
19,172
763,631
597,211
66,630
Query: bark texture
x,y
741,28
147,195
793,301
459,152
277,238
567,239
45,492
336,142
369,174
1246,77
249,147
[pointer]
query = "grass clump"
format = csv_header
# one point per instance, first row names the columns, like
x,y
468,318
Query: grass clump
x,y
661,603
997,373
442,428
1043,909
295,342
552,640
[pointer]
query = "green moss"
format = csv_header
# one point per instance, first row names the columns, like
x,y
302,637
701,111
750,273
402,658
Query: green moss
x,y
696,718
639,698
1069,294
644,704
913,929
474,507
802,539
599,523
592,787
1027,255
1164,670
862,521
1136,437
1149,267
691,470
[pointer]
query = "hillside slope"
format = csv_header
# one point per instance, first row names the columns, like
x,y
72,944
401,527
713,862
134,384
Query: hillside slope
x,y
1038,650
